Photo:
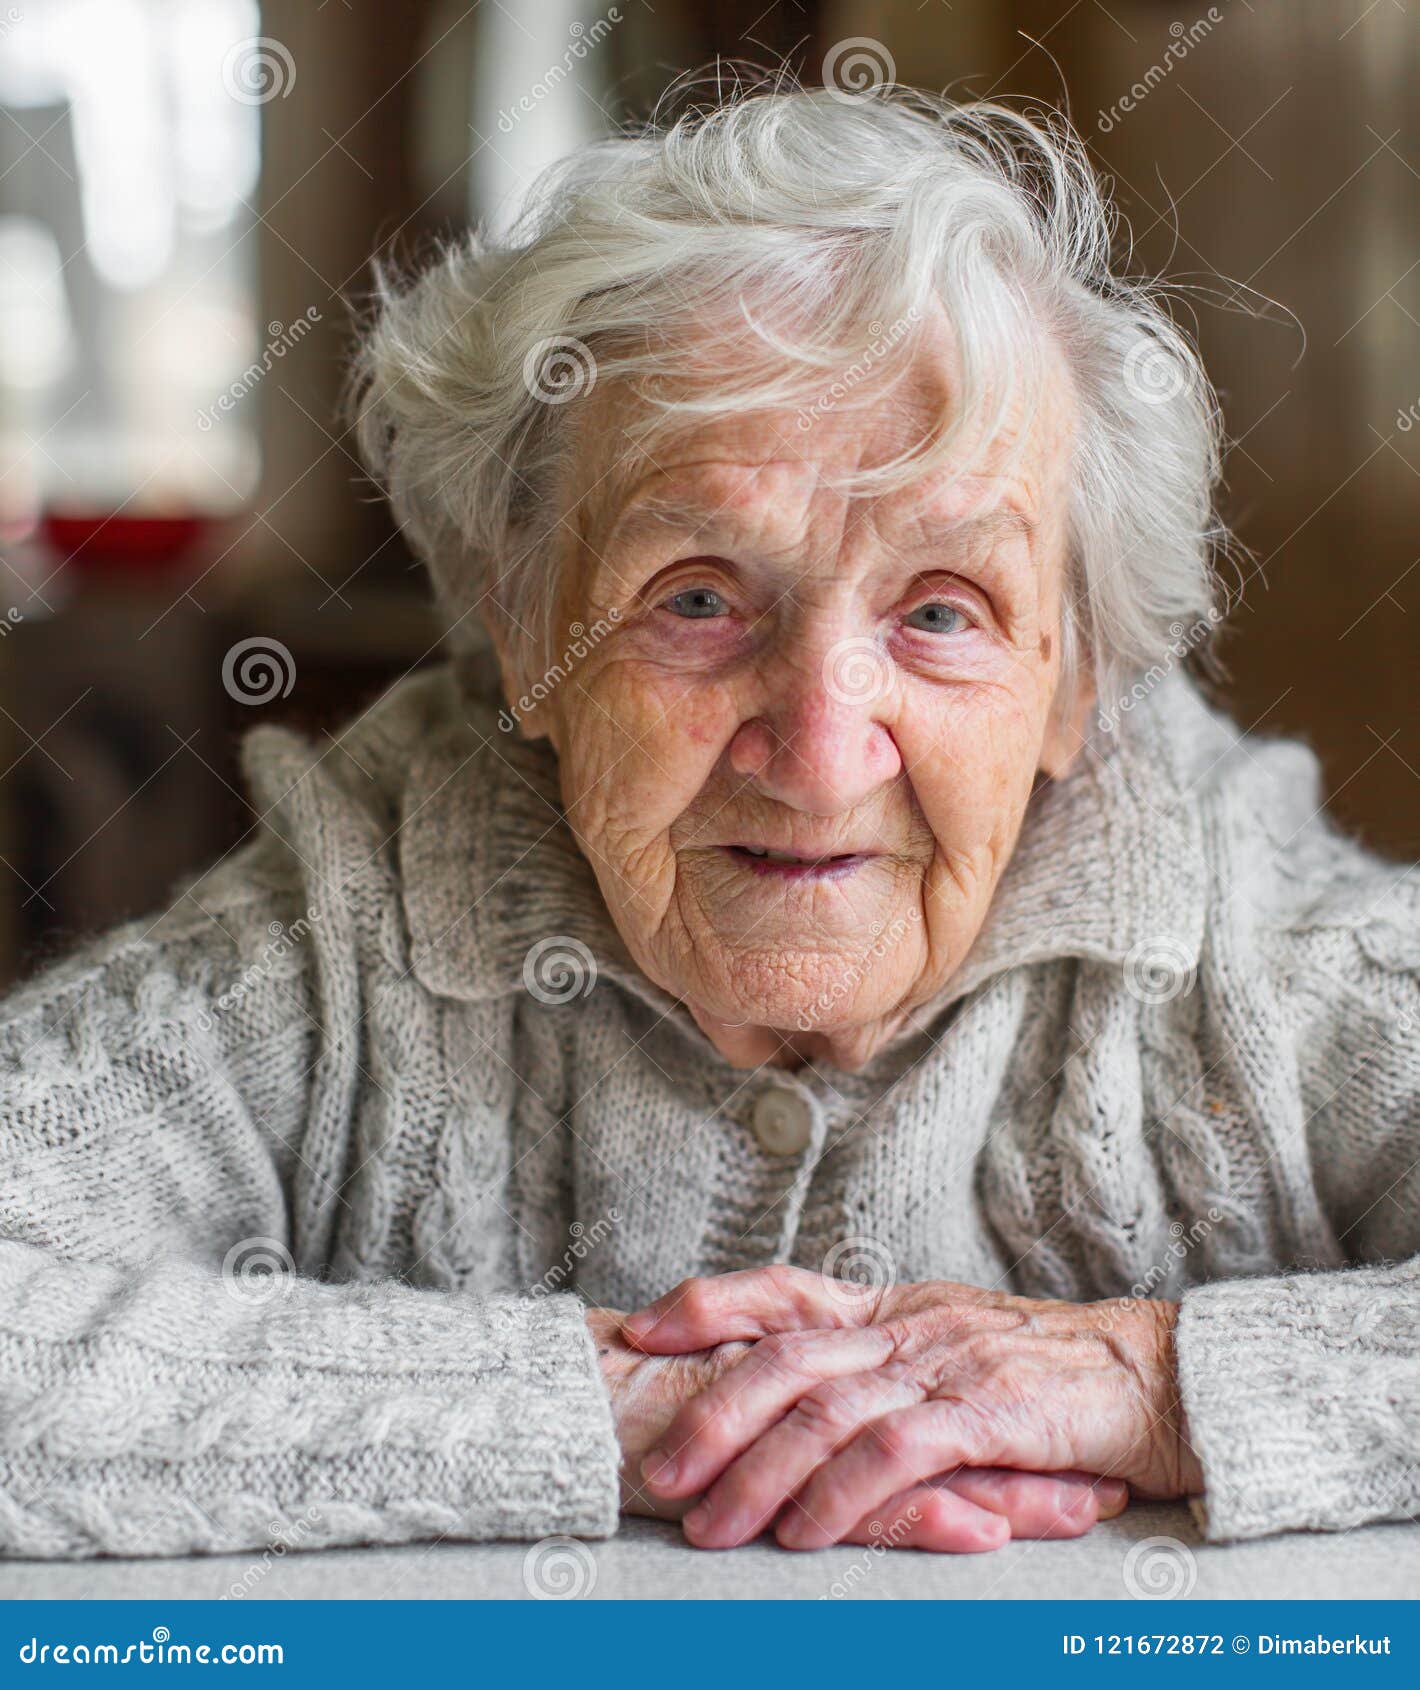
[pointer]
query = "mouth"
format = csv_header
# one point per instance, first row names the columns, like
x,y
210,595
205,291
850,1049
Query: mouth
x,y
791,865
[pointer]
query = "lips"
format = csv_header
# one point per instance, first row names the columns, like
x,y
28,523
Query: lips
x,y
759,859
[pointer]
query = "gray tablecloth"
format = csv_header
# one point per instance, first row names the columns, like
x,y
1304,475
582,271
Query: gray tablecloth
x,y
1150,1552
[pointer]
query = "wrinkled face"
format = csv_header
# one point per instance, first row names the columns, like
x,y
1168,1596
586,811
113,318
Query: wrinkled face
x,y
799,761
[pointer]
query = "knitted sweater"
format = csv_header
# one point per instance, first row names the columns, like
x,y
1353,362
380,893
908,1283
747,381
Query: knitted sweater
x,y
394,1044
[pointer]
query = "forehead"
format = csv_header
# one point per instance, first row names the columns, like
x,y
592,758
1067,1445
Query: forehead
x,y
752,466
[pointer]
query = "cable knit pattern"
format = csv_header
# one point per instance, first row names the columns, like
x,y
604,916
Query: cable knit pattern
x,y
1180,1061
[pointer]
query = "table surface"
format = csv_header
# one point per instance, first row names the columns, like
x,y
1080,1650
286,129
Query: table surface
x,y
1149,1551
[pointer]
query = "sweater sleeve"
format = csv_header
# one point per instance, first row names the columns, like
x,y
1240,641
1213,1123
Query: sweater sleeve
x,y
171,1381
1302,1390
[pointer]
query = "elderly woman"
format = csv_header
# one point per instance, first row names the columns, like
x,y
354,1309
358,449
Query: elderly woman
x,y
821,1028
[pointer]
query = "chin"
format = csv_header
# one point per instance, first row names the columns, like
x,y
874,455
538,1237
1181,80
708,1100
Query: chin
x,y
798,991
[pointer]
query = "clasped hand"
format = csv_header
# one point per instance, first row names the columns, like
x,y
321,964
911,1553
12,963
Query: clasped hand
x,y
933,1415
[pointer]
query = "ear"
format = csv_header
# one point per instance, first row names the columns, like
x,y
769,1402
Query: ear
x,y
1065,732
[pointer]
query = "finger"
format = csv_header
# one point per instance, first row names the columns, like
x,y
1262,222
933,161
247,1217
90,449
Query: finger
x,y
895,1451
932,1518
748,1304
756,1485
1040,1505
726,1418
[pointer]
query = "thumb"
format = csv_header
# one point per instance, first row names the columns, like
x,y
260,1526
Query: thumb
x,y
747,1305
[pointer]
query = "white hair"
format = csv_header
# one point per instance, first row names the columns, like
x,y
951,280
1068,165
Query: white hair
x,y
845,213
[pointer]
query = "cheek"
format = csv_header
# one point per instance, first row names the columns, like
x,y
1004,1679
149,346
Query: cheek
x,y
642,745
973,754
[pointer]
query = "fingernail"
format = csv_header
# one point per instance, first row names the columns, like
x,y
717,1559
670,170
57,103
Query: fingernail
x,y
638,1325
658,1468
698,1518
1113,1497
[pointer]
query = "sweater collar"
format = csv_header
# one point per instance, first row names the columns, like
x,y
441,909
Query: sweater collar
x,y
1109,865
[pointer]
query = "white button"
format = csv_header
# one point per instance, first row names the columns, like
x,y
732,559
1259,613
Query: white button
x,y
783,1121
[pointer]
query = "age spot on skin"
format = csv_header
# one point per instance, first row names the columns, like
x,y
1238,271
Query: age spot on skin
x,y
1045,648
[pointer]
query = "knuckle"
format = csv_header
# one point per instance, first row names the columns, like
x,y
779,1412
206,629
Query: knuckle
x,y
693,1298
787,1352
890,1440
822,1415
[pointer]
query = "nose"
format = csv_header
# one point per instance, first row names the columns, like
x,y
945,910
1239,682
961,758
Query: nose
x,y
820,745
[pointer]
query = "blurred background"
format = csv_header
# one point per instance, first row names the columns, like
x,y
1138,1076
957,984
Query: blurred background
x,y
191,191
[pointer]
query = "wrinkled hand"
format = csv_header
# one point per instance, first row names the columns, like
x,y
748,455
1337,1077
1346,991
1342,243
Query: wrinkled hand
x,y
850,1399
647,1391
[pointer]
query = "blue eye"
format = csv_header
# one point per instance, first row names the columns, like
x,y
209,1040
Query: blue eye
x,y
696,603
937,618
